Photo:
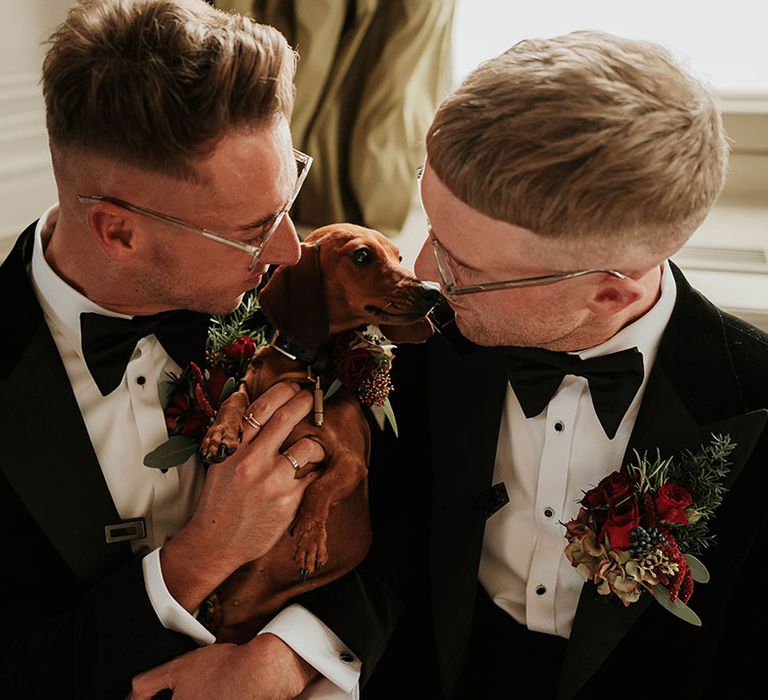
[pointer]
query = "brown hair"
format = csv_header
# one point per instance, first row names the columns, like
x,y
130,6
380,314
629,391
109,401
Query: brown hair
x,y
155,82
581,136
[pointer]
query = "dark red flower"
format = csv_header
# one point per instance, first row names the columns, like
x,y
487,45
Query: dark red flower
x,y
615,487
177,407
243,348
184,417
354,367
618,526
612,489
671,502
593,498
217,379
195,424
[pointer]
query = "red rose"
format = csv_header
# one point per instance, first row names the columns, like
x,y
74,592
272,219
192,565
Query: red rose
x,y
615,487
593,498
216,380
618,526
671,502
612,489
353,367
243,348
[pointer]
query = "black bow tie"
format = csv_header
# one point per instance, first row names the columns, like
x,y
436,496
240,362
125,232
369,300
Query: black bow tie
x,y
108,342
535,374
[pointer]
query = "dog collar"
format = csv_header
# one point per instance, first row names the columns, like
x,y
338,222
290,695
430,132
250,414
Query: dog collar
x,y
315,358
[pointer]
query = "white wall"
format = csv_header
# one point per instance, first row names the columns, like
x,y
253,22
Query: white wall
x,y
723,41
26,183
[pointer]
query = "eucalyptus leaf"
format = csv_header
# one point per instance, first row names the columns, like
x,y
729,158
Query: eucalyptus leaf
x,y
172,453
378,414
698,570
677,608
335,386
227,390
165,390
390,414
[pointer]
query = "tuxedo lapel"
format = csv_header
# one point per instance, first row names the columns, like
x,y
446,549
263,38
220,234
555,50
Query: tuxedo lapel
x,y
48,458
467,394
700,373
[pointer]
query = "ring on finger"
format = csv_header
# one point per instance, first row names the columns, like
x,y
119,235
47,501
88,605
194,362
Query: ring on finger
x,y
294,462
251,420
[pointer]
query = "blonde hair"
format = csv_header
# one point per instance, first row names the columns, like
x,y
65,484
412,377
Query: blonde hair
x,y
155,83
581,136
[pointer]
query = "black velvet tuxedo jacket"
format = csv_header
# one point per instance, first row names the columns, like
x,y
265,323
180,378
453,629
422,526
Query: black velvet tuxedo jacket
x,y
431,493
76,621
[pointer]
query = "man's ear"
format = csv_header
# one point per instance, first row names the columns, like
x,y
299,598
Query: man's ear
x,y
613,295
112,227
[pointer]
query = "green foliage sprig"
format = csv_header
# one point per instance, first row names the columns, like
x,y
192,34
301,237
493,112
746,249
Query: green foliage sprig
x,y
703,473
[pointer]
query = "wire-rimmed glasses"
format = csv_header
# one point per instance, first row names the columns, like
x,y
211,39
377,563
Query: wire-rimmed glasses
x,y
303,163
453,289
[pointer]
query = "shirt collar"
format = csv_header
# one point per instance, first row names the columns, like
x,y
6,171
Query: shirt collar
x,y
61,304
644,333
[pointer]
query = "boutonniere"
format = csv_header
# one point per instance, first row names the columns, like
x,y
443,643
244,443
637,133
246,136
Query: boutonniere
x,y
190,399
640,529
360,361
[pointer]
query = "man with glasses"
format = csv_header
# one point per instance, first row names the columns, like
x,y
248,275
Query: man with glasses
x,y
560,177
168,126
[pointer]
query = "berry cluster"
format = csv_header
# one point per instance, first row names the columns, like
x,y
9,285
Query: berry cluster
x,y
375,388
643,541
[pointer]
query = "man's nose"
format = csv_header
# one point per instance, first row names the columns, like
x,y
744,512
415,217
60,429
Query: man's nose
x,y
284,246
425,266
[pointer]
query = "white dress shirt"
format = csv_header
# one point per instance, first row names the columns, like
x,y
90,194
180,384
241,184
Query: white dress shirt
x,y
546,463
127,424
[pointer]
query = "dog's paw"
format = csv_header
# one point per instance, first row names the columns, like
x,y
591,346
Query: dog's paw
x,y
221,440
311,546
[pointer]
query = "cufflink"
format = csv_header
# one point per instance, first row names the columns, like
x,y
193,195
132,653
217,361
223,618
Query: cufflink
x,y
346,657
126,530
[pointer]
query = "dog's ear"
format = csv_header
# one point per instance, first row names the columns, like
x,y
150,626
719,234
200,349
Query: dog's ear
x,y
417,332
294,301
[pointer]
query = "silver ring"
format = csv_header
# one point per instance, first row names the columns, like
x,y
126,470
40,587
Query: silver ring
x,y
251,420
294,462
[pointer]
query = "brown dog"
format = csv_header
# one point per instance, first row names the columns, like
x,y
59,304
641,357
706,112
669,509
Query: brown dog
x,y
348,277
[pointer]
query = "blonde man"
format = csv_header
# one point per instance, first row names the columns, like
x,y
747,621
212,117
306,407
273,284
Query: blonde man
x,y
560,177
168,125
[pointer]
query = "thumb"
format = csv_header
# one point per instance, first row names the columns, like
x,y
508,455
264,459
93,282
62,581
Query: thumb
x,y
146,685
307,477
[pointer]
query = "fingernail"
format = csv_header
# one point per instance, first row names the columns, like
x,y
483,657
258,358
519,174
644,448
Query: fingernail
x,y
296,387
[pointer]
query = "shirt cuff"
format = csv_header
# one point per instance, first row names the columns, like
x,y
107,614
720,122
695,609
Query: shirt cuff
x,y
308,636
171,615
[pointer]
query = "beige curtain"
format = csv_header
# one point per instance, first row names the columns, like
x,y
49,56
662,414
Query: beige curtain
x,y
370,76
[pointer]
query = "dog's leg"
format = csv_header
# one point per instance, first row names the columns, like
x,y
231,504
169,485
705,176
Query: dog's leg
x,y
342,475
223,437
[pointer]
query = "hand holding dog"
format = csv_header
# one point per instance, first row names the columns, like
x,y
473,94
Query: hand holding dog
x,y
264,668
248,501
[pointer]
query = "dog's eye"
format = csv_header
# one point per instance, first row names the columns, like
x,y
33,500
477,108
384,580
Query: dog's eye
x,y
362,256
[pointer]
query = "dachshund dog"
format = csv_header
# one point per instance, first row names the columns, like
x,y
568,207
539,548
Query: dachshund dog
x,y
348,277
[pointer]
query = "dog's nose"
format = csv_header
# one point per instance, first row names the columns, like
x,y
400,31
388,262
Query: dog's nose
x,y
429,291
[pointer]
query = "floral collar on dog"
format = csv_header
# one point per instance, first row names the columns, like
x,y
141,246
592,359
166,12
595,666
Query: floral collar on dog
x,y
359,360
